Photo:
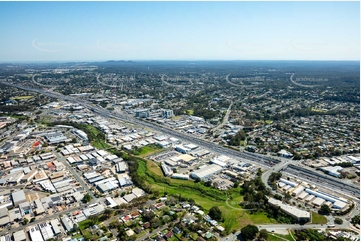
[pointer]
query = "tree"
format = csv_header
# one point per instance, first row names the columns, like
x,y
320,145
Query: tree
x,y
249,232
338,221
325,209
87,198
25,221
355,220
263,234
215,213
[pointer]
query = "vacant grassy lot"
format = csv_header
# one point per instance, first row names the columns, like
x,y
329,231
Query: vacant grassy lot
x,y
318,218
21,97
207,197
149,150
279,237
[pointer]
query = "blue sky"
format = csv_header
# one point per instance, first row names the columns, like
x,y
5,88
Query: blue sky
x,y
90,31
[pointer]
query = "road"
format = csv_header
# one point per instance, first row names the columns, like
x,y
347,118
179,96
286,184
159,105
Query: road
x,y
75,174
225,119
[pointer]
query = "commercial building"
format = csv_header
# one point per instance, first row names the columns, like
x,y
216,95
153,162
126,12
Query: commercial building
x,y
166,169
180,176
290,210
167,113
55,137
318,201
19,236
206,172
332,170
297,190
55,224
46,231
35,234
18,197
290,183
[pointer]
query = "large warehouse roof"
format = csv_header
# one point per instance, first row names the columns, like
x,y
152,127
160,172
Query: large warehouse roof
x,y
206,171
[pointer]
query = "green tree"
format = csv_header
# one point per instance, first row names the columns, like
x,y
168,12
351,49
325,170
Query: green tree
x,y
87,198
355,220
338,221
249,232
215,213
263,234
25,221
325,209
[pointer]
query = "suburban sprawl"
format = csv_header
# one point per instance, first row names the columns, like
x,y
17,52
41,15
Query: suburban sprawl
x,y
179,150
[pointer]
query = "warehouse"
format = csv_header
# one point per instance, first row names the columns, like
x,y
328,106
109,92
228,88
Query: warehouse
x,y
166,169
35,234
206,172
298,190
292,184
317,194
339,205
19,236
218,162
121,167
318,201
290,210
302,195
180,176
55,224
46,231
18,197
281,184
309,198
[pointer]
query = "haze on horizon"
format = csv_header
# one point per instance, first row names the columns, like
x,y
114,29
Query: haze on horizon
x,y
96,31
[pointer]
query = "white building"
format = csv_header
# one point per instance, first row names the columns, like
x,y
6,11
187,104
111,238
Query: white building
x,y
206,172
290,210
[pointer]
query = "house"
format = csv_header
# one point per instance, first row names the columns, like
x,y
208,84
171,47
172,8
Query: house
x,y
176,230
168,235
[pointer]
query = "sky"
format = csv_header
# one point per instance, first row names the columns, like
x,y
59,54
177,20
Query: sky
x,y
100,31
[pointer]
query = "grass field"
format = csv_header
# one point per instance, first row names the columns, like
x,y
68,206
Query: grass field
x,y
269,122
97,143
190,112
279,237
21,97
149,150
318,218
207,197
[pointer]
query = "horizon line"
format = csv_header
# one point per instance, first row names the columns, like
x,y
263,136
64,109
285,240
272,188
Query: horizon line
x,y
150,60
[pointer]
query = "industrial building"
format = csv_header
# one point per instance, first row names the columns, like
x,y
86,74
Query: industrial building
x,y
338,203
297,190
35,234
292,184
167,113
166,169
206,172
18,197
55,137
318,201
46,231
180,176
290,210
19,236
